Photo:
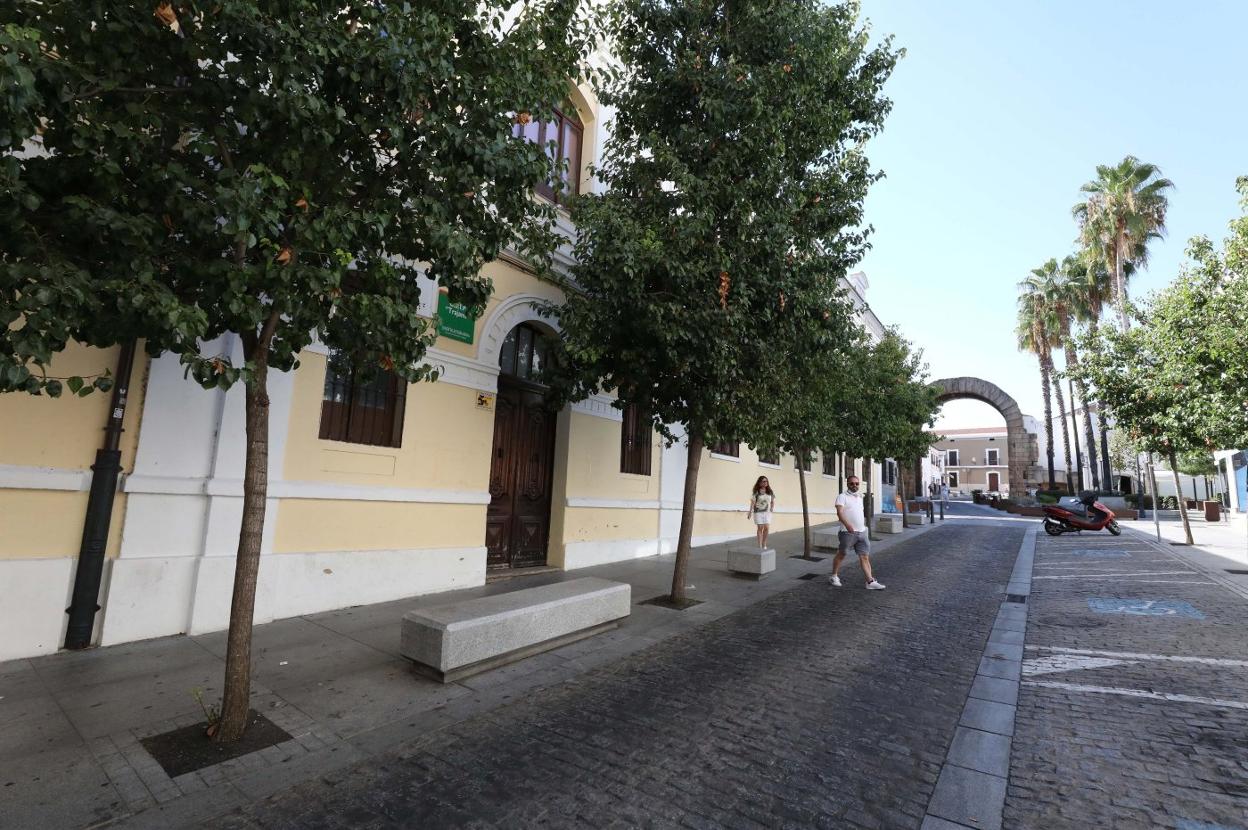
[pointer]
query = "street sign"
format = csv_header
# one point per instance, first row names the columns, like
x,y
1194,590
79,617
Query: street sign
x,y
453,320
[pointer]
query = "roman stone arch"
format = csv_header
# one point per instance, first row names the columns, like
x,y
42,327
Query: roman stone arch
x,y
1022,446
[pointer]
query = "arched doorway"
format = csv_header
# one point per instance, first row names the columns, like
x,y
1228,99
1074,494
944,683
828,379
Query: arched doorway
x,y
517,524
1022,447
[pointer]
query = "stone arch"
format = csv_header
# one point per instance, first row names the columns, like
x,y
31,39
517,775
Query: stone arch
x,y
1022,446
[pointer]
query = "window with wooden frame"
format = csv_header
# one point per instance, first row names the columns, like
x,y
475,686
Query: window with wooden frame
x,y
769,457
636,437
729,448
829,463
992,457
951,458
561,138
362,409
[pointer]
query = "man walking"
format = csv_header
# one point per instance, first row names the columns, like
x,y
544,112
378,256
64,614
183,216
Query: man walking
x,y
853,534
944,496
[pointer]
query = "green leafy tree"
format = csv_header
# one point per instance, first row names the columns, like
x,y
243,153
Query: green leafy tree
x,y
894,406
818,380
269,174
1125,207
733,188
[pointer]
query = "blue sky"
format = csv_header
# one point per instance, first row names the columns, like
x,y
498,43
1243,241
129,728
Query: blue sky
x,y
1001,110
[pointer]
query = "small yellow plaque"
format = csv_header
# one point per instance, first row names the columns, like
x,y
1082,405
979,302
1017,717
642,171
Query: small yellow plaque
x,y
485,401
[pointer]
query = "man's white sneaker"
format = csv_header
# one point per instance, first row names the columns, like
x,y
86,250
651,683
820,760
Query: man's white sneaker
x,y
873,585
834,581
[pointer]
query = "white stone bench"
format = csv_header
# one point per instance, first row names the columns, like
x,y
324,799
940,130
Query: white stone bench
x,y
916,519
826,539
751,561
453,641
888,523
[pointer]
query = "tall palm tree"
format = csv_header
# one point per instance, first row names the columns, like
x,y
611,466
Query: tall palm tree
x,y
1031,339
1124,209
1094,291
1035,327
1068,299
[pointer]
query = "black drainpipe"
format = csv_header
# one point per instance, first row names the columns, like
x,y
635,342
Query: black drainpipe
x,y
104,473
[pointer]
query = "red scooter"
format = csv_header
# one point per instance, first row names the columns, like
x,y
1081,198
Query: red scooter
x,y
1071,515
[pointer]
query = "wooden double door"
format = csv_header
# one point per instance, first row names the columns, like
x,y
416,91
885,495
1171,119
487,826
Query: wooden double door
x,y
521,471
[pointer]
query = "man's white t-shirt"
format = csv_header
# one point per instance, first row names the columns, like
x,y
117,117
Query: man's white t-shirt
x,y
851,509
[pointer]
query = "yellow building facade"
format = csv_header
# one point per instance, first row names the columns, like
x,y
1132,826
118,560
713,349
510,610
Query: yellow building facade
x,y
371,498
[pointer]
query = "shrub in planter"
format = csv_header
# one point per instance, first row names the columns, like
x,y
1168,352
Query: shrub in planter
x,y
977,496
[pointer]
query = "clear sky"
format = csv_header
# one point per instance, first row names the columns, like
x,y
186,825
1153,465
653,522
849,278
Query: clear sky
x,y
1001,110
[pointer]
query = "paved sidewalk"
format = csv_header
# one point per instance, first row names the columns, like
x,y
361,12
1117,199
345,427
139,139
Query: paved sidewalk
x,y
70,723
1220,547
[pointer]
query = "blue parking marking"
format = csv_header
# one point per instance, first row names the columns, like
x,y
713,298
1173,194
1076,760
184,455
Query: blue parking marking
x,y
1144,607
1108,553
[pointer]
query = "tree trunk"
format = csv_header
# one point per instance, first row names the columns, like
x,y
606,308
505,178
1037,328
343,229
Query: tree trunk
x,y
807,545
1045,383
901,487
688,510
1120,282
1061,411
1187,526
1108,470
237,694
1089,438
870,501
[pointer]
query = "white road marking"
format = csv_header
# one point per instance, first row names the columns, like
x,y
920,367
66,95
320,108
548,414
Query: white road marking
x,y
1118,573
1068,662
1170,582
1106,690
1132,655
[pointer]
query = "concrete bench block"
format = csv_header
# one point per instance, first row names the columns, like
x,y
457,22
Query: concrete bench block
x,y
755,562
826,539
916,519
888,523
460,639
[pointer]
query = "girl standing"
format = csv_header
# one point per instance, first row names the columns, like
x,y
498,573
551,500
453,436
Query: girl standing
x,y
762,502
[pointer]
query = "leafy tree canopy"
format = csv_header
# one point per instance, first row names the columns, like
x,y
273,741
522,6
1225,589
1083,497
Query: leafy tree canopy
x,y
272,170
734,182
1177,382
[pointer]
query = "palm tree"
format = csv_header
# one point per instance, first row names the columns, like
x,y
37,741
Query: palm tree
x,y
1124,209
1096,291
1069,301
1034,325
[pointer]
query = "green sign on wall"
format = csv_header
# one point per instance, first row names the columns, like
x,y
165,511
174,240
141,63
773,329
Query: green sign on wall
x,y
453,320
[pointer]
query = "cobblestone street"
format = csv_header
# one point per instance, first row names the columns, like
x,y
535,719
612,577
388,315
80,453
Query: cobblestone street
x,y
817,707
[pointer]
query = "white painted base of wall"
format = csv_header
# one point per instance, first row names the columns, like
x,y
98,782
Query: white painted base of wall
x,y
156,597
34,594
587,554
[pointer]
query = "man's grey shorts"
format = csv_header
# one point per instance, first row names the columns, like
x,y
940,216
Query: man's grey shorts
x,y
857,540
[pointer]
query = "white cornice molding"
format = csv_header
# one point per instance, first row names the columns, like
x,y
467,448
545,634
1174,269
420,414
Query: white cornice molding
x,y
600,407
463,371
615,504
18,477
322,490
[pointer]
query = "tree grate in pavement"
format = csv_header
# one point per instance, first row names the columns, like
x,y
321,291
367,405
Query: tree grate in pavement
x,y
808,576
1015,598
